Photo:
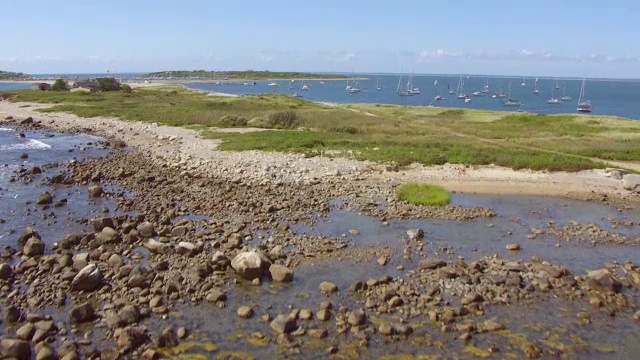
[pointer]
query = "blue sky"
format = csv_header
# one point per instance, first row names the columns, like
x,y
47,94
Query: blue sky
x,y
542,37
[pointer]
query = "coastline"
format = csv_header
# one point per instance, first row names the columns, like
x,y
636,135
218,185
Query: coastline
x,y
181,144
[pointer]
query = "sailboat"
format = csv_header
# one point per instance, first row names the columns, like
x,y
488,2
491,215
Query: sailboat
x,y
304,87
510,101
409,89
273,83
535,87
460,92
485,88
524,82
353,87
583,104
378,84
565,97
554,100
449,89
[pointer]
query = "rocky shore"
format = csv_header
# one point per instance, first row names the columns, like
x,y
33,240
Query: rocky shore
x,y
194,227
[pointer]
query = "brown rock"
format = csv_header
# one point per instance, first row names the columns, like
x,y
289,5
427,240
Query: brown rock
x,y
15,348
33,247
245,312
95,191
328,287
283,324
280,273
82,313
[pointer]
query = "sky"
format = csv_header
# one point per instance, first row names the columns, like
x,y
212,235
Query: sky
x,y
495,37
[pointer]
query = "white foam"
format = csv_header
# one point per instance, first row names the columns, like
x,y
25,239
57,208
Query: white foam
x,y
6,129
28,144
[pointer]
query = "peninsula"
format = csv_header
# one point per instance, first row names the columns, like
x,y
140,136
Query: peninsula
x,y
240,75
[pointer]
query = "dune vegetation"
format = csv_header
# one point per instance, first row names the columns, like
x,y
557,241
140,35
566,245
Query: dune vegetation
x,y
381,133
423,194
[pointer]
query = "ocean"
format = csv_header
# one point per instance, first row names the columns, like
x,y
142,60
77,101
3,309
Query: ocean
x,y
608,97
613,97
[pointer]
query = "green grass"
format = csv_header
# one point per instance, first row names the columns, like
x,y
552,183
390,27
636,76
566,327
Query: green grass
x,y
423,194
376,132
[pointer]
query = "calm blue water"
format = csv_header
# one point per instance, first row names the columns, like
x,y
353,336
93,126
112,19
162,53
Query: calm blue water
x,y
609,97
14,86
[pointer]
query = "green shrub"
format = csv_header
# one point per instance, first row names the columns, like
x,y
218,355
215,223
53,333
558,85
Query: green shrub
x,y
284,119
126,88
452,112
232,120
423,194
60,85
108,84
345,129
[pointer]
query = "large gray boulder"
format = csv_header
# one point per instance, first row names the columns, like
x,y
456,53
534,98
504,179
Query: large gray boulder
x,y
249,265
88,279
631,182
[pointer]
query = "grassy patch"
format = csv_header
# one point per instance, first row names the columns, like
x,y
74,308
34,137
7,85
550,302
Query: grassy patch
x,y
397,134
423,194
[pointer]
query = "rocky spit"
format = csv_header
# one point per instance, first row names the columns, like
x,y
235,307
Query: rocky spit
x,y
187,232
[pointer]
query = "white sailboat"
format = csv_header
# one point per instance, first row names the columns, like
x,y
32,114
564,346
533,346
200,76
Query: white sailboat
x,y
535,87
565,97
510,101
304,87
460,91
584,105
449,89
485,88
353,87
553,100
273,83
524,81
378,84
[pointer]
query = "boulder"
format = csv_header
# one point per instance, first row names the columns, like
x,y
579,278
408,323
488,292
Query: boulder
x,y
101,223
26,121
179,231
357,317
107,235
283,324
602,280
186,248
513,247
248,265
631,182
431,264
95,191
82,313
6,272
88,279
33,247
216,295
245,312
157,247
27,234
280,273
146,229
45,198
415,234
328,287
15,349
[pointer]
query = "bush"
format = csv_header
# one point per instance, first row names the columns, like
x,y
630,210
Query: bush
x,y
232,120
345,129
126,88
60,85
108,84
423,194
259,122
452,112
284,119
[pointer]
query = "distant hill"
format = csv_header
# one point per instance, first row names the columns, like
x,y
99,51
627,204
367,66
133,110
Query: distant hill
x,y
240,75
7,75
